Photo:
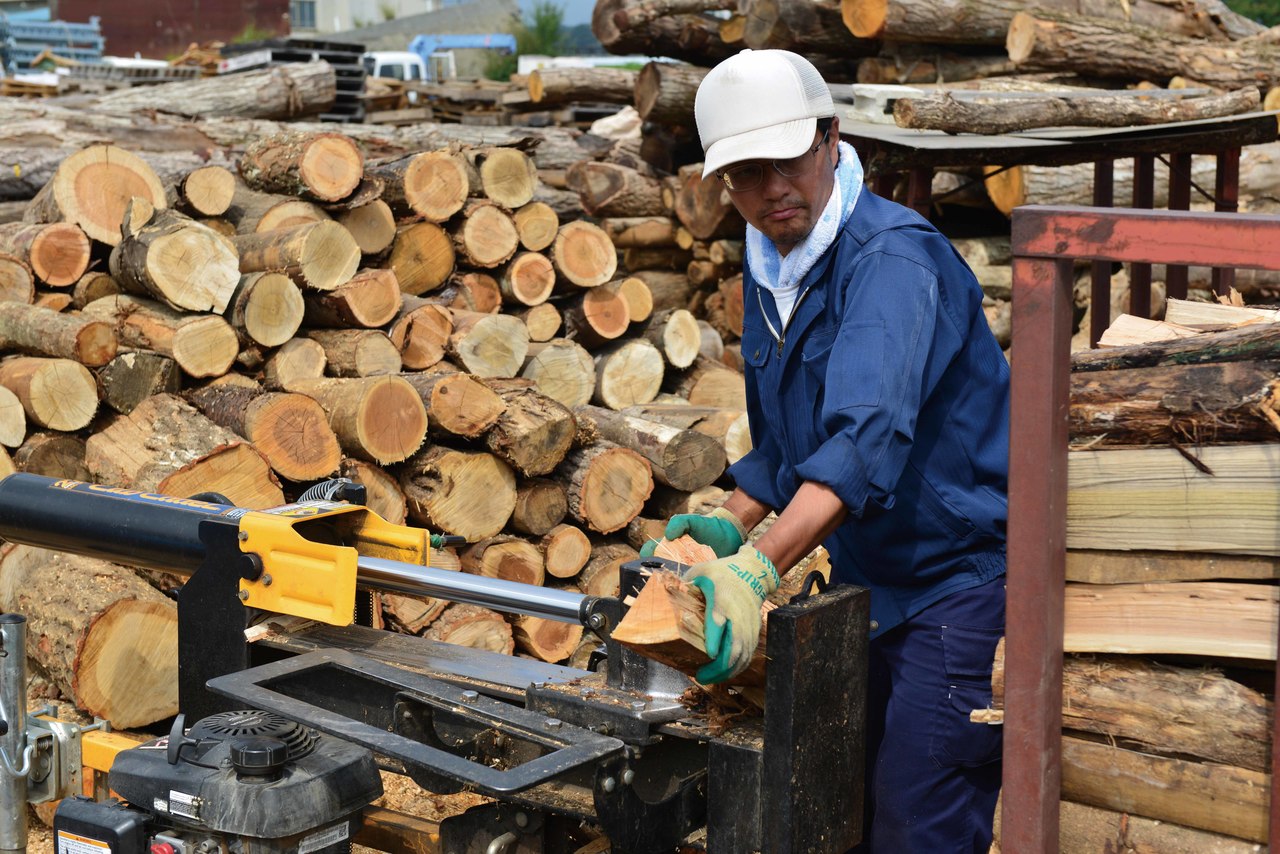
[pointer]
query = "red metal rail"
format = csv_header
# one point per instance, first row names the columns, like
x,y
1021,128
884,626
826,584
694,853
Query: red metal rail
x,y
1046,240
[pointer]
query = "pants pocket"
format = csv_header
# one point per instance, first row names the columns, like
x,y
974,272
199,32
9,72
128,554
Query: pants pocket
x,y
968,654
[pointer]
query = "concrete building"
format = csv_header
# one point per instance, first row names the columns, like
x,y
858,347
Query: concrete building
x,y
324,18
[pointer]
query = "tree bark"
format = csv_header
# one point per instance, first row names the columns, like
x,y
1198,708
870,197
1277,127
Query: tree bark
x,y
640,231
1260,342
442,487
32,329
606,485
808,27
282,92
690,37
131,378
172,258
566,85
165,445
203,345
112,648
924,66
534,432
680,458
610,190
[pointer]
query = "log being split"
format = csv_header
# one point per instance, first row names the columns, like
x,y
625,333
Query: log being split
x,y
322,167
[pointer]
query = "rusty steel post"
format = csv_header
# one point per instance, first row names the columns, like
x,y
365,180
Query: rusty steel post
x,y
1104,196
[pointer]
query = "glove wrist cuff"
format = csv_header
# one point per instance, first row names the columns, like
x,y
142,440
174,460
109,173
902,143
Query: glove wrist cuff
x,y
728,516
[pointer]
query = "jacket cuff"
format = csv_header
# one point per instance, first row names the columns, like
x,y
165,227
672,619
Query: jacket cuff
x,y
754,474
836,464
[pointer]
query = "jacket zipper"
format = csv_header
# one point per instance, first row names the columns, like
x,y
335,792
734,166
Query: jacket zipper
x,y
781,338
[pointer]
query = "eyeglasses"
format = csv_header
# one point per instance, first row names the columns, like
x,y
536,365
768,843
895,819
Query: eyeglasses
x,y
748,176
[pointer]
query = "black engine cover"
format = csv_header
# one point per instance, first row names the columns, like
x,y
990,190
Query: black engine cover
x,y
321,779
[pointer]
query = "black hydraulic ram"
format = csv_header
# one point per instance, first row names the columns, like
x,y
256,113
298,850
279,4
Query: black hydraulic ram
x,y
163,532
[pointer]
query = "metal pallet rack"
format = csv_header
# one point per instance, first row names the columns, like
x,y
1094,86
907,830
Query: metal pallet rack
x,y
343,56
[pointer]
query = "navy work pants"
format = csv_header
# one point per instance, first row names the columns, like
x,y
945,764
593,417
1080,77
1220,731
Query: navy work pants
x,y
932,776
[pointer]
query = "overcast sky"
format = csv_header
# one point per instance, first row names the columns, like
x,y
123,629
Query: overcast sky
x,y
575,11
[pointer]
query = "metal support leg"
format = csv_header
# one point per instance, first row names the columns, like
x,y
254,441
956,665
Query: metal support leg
x,y
1175,277
13,739
1144,196
920,191
1226,198
1100,273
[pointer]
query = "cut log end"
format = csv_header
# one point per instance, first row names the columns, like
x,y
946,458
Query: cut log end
x,y
865,18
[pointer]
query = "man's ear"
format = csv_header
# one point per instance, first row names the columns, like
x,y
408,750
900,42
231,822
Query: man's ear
x,y
835,137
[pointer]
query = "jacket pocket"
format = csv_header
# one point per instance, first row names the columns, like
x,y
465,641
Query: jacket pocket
x,y
941,510
968,653
857,380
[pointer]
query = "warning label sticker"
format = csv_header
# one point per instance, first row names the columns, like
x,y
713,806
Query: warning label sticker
x,y
324,838
70,843
180,803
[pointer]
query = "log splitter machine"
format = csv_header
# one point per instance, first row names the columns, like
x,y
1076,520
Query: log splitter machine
x,y
292,728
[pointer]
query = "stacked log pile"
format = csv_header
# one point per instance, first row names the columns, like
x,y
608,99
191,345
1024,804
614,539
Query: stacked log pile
x,y
419,322
1171,600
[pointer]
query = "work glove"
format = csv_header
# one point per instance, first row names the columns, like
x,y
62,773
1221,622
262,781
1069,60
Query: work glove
x,y
735,588
718,529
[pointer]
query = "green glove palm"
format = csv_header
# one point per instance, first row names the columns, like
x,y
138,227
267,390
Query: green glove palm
x,y
735,588
718,529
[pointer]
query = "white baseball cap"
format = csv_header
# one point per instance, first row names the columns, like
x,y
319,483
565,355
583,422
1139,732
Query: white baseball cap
x,y
759,104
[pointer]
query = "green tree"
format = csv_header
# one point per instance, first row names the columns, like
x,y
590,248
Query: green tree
x,y
541,32
1265,12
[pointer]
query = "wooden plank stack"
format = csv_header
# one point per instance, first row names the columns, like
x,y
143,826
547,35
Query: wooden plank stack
x,y
420,323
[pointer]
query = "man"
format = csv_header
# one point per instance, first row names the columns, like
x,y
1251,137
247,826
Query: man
x,y
878,404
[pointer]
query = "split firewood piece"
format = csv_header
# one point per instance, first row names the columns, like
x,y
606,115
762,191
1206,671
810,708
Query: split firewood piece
x,y
628,232
627,373
165,445
206,191
57,253
41,331
457,404
320,255
112,648
504,556
412,614
380,419
486,236
596,316
203,345
291,430
431,184
666,623
422,257
703,206
607,485
563,370
474,627
534,432
541,505
421,332
508,176
592,85
131,378
610,190
565,549
537,224
368,300
684,550
683,459
543,321
372,226
176,260
709,383
93,187
324,167
267,308
296,360
13,420
471,290
488,345
664,91
583,255
676,335
93,285
528,280
383,494
547,640
467,493
600,576
251,211
52,454
57,394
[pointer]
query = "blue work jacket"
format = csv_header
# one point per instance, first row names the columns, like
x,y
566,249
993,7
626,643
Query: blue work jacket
x,y
887,386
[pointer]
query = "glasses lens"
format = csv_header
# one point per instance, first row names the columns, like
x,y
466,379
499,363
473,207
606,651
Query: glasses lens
x,y
744,177
795,167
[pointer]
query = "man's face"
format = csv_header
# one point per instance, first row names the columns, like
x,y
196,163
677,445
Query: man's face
x,y
785,209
